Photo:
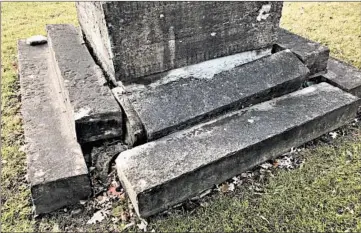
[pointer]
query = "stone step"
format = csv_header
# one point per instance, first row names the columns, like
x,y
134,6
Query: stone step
x,y
344,76
312,54
57,172
187,96
162,173
97,114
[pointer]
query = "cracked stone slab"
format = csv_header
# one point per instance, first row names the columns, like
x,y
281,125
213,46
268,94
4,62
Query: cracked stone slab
x,y
187,96
134,133
344,76
97,114
57,172
136,39
162,173
313,54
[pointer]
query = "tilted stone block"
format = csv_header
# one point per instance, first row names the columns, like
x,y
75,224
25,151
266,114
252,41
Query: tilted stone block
x,y
162,173
344,76
97,114
135,39
313,54
57,172
190,95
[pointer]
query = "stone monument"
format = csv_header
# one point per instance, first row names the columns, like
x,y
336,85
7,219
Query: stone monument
x,y
193,93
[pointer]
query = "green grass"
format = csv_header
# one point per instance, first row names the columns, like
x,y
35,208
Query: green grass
x,y
323,195
335,24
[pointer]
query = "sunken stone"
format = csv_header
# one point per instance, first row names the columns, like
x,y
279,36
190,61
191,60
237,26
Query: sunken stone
x,y
135,39
343,76
57,172
162,173
313,54
97,114
187,96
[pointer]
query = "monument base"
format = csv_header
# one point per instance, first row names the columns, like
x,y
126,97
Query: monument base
x,y
186,129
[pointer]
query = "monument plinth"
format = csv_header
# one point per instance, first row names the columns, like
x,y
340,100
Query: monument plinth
x,y
136,39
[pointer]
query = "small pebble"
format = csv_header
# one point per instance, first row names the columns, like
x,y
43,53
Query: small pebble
x,y
36,40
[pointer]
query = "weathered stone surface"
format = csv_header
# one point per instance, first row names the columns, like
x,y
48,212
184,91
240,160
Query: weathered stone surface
x,y
343,76
164,172
97,114
313,54
135,39
187,96
56,167
134,132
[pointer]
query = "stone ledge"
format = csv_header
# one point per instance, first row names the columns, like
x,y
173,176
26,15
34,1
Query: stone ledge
x,y
57,172
187,96
97,114
344,76
162,173
312,54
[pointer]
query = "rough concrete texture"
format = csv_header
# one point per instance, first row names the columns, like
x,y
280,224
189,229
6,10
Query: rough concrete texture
x,y
97,114
56,167
313,54
165,106
143,38
162,173
343,76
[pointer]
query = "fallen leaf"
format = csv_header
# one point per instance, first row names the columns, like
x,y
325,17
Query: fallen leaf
x,y
76,212
128,225
143,225
264,218
124,216
56,228
250,120
112,191
231,187
102,199
285,162
122,196
224,187
266,166
98,216
205,193
333,135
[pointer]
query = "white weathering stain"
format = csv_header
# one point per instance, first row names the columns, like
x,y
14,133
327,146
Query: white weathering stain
x,y
171,45
207,69
265,106
264,12
83,112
